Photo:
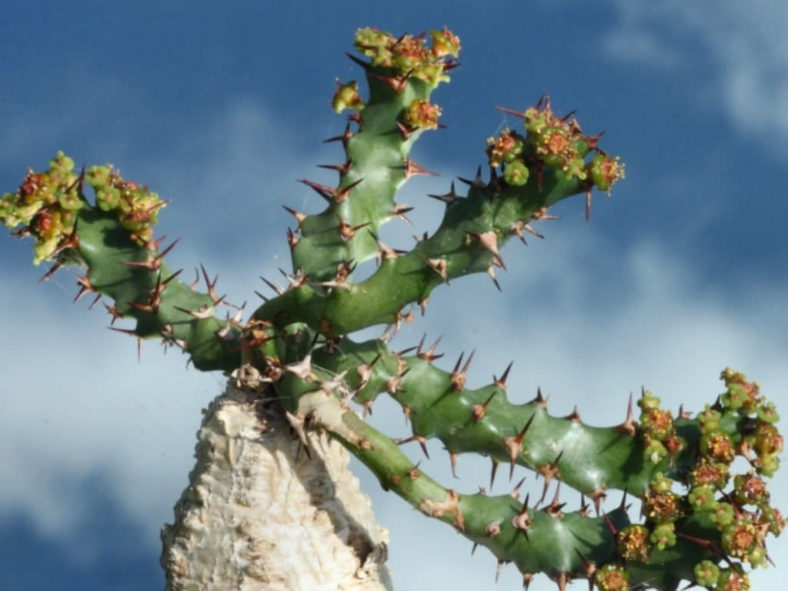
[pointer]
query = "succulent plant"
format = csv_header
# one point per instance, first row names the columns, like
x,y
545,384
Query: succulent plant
x,y
704,518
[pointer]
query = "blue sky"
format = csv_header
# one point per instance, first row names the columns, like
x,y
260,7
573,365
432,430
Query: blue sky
x,y
220,107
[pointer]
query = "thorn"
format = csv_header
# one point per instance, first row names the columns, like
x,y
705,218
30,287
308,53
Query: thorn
x,y
397,84
344,138
623,506
423,305
554,508
493,470
52,270
133,334
152,263
515,492
297,424
201,313
261,296
210,285
95,301
439,266
629,426
276,288
707,544
549,471
510,111
449,197
561,579
473,548
522,521
303,368
357,60
583,506
385,252
590,569
346,231
477,182
299,216
527,580
501,382
421,440
479,410
343,168
428,355
365,370
492,529
498,570
292,239
491,273
574,416
400,211
85,286
411,169
514,445
458,378
406,411
453,461
540,400
489,241
597,496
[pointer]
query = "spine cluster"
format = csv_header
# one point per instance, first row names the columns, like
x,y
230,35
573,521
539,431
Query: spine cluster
x,y
702,519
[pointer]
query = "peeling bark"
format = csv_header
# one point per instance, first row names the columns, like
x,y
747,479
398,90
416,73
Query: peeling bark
x,y
262,514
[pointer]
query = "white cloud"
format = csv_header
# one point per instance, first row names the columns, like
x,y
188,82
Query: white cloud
x,y
746,44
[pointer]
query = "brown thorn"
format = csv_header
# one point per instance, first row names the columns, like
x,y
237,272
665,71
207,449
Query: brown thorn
x,y
629,426
562,579
514,445
52,270
458,378
85,286
477,182
498,570
419,438
491,273
501,382
344,138
623,504
210,285
429,355
522,521
397,84
540,400
549,471
453,461
489,241
440,267
473,548
574,416
554,508
411,169
479,410
527,580
515,492
153,263
449,197
510,111
589,567
358,61
493,471
299,216
276,288
95,301
343,168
